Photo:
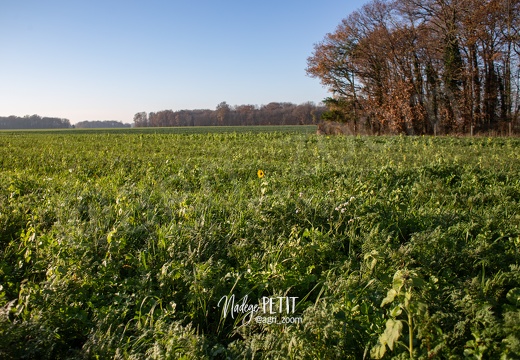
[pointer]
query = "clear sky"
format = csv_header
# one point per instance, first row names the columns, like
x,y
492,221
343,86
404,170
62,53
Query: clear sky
x,y
108,59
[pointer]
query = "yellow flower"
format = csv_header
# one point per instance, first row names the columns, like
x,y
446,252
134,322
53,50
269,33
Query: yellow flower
x,y
260,173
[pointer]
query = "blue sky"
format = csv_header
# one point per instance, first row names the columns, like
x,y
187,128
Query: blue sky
x,y
108,59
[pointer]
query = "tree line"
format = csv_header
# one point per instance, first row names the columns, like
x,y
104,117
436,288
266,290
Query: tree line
x,y
274,113
33,122
423,66
100,124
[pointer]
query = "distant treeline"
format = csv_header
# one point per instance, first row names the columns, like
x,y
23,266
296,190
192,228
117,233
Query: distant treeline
x,y
91,124
271,114
33,122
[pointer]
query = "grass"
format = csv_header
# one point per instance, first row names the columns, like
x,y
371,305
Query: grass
x,y
120,244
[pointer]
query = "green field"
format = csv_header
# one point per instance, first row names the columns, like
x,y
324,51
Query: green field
x,y
123,243
301,129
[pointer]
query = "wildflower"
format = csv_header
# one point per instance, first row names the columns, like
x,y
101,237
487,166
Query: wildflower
x,y
260,173
343,207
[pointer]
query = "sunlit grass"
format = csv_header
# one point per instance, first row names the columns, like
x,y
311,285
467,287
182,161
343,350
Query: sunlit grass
x,y
122,243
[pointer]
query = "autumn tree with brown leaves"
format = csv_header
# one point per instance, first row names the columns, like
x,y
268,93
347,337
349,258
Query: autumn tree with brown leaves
x,y
416,66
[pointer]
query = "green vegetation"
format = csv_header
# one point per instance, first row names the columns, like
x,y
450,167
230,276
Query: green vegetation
x,y
301,129
120,244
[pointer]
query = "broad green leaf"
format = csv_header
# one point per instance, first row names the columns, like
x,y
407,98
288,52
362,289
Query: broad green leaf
x,y
390,296
396,311
392,332
378,351
398,281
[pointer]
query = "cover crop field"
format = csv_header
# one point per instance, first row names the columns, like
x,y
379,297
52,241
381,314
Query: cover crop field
x,y
122,244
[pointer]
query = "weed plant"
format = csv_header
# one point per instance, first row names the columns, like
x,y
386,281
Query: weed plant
x,y
120,245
